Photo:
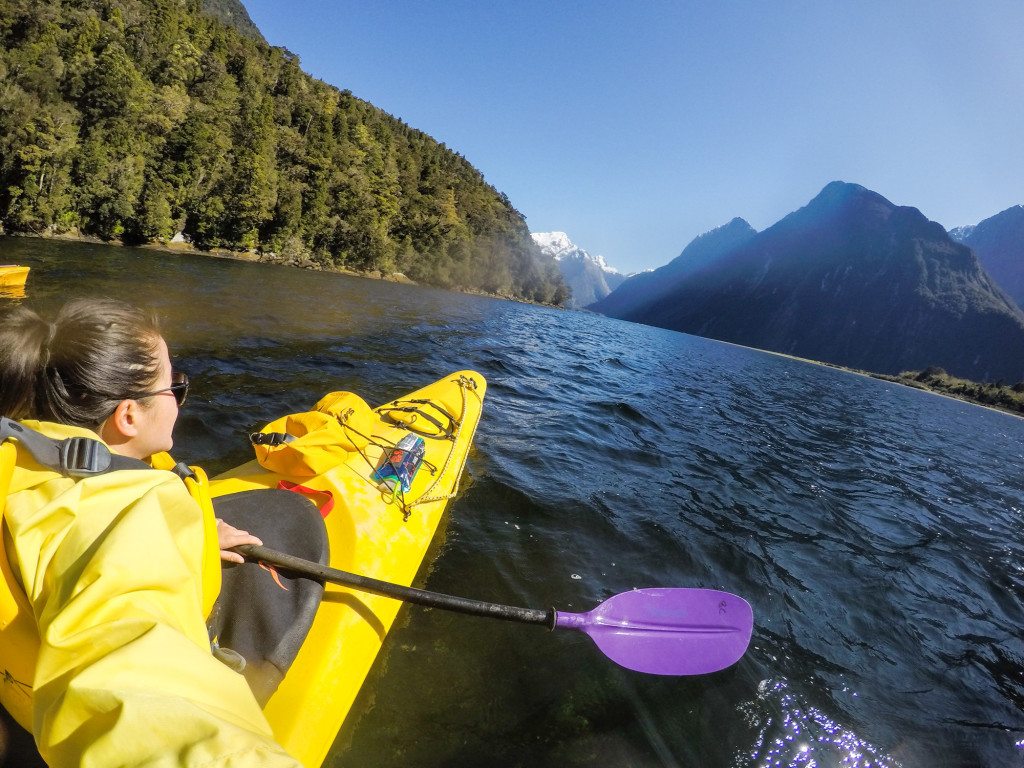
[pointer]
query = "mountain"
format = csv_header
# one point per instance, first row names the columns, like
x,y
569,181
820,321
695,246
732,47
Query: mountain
x,y
150,120
233,13
854,280
648,287
961,233
589,277
998,242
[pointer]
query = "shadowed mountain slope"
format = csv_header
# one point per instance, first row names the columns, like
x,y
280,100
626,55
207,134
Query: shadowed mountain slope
x,y
998,242
648,287
854,280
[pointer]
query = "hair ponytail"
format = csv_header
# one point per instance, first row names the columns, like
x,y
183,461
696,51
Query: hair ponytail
x,y
24,337
75,370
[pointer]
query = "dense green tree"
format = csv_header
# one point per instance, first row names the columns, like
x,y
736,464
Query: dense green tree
x,y
137,119
156,221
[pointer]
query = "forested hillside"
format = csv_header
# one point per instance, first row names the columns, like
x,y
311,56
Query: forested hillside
x,y
138,119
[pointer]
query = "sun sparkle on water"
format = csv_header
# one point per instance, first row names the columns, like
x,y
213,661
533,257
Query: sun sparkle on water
x,y
792,735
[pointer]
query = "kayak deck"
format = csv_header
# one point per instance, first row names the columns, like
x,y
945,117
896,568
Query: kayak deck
x,y
372,535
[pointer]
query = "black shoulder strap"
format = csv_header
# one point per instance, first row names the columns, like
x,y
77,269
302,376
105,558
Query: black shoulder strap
x,y
72,456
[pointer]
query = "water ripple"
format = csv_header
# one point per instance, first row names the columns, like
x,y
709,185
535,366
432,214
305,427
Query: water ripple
x,y
875,529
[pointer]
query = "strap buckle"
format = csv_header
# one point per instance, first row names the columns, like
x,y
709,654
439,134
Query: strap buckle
x,y
272,439
72,456
82,457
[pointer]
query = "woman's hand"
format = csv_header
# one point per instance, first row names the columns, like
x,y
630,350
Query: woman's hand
x,y
228,536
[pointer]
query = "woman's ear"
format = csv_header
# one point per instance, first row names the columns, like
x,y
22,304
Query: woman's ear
x,y
122,425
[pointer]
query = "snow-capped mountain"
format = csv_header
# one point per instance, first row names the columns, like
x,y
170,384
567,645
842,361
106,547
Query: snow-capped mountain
x,y
960,234
559,246
589,278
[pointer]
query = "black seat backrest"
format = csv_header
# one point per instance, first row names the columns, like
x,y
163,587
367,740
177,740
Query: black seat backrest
x,y
254,615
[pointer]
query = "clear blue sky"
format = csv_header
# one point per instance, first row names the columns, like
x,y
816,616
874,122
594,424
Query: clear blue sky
x,y
634,126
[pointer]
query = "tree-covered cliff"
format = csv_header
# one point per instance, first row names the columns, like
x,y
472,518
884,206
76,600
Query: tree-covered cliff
x,y
137,119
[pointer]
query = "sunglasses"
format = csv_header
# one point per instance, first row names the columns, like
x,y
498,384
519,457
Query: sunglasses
x,y
178,388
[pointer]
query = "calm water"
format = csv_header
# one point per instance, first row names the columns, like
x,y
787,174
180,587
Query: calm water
x,y
876,530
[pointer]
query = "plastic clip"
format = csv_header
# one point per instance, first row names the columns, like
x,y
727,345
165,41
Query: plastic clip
x,y
83,456
270,438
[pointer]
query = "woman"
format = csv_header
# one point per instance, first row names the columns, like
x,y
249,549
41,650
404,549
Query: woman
x,y
77,369
117,567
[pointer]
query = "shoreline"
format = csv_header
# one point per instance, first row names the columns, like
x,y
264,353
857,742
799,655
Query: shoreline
x,y
923,387
258,258
889,377
397,277
218,253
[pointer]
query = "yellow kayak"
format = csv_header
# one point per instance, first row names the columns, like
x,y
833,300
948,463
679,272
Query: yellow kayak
x,y
12,276
12,281
341,455
372,532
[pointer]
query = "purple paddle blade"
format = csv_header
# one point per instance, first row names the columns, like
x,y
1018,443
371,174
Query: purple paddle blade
x,y
668,631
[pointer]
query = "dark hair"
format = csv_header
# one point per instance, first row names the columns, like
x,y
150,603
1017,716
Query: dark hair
x,y
76,369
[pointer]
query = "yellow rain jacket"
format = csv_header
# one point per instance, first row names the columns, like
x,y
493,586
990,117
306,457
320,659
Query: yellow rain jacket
x,y
112,566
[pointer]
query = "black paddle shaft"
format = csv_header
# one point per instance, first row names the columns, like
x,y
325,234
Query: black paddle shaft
x,y
387,589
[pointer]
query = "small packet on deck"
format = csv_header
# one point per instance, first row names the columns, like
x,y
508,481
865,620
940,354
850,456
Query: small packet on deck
x,y
400,465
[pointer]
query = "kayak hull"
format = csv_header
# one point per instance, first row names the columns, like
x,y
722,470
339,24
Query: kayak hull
x,y
371,534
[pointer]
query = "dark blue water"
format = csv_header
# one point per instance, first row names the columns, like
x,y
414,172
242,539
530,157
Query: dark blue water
x,y
875,529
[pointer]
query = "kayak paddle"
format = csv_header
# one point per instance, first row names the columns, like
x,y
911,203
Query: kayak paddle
x,y
662,631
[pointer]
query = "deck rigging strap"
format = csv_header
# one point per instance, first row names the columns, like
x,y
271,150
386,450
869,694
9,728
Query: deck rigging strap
x,y
466,384
446,432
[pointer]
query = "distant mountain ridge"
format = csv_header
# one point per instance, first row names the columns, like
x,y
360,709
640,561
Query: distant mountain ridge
x,y
998,242
589,277
647,287
855,280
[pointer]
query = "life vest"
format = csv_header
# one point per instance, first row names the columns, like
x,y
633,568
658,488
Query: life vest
x,y
67,454
98,608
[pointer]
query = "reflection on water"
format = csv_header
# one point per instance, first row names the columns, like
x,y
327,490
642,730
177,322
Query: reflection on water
x,y
874,529
794,735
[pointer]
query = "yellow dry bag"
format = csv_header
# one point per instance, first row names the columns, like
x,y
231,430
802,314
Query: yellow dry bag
x,y
310,443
